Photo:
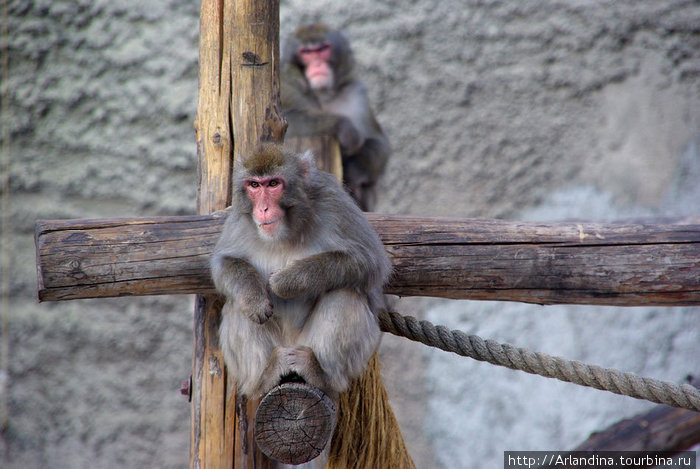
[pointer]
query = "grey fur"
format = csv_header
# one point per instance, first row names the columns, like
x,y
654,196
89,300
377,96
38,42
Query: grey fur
x,y
323,279
343,111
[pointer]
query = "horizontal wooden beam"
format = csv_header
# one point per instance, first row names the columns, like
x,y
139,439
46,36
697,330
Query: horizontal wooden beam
x,y
543,263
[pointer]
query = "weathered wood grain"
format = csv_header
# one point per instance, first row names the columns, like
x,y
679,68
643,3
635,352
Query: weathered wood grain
x,y
213,410
103,257
325,149
294,423
544,263
238,107
663,428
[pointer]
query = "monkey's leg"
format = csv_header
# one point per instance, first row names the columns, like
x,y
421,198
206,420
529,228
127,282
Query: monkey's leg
x,y
294,363
343,333
246,346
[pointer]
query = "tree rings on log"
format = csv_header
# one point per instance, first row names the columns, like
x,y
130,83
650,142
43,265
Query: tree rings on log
x,y
294,423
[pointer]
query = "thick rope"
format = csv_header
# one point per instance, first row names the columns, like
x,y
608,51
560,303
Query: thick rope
x,y
606,379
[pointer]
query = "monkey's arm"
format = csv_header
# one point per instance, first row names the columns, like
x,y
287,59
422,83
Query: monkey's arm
x,y
323,272
236,279
375,149
373,156
362,169
308,122
301,108
303,112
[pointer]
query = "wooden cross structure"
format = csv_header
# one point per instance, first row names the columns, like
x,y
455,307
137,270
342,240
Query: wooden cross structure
x,y
580,263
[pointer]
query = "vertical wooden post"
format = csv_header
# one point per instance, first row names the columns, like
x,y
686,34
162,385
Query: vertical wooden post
x,y
238,107
211,439
255,72
255,114
325,149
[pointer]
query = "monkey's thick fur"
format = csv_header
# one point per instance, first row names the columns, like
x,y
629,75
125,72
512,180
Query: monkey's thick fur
x,y
303,272
342,111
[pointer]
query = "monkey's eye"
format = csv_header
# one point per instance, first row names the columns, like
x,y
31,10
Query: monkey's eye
x,y
315,49
254,184
274,183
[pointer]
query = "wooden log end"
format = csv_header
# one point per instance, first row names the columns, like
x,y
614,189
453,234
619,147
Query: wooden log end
x,y
294,423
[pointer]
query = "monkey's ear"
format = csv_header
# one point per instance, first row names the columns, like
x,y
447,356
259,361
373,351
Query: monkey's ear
x,y
237,164
308,161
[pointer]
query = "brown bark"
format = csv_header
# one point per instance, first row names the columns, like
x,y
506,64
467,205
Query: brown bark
x,y
211,443
552,263
238,96
325,149
663,428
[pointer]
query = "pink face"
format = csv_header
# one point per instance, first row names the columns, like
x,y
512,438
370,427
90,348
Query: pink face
x,y
316,61
265,193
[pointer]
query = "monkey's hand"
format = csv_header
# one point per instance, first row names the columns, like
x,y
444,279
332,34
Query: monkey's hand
x,y
238,280
255,304
289,283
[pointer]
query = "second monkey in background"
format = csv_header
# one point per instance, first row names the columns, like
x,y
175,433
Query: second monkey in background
x,y
321,96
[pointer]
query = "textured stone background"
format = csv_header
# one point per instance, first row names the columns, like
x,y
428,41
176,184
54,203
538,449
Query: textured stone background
x,y
525,109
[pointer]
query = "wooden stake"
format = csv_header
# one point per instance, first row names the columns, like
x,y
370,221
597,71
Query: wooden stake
x,y
325,149
211,443
238,96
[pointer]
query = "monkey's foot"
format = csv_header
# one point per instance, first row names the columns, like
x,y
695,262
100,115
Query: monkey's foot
x,y
294,364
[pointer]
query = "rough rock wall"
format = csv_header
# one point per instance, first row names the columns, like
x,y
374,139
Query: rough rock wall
x,y
102,97
519,109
